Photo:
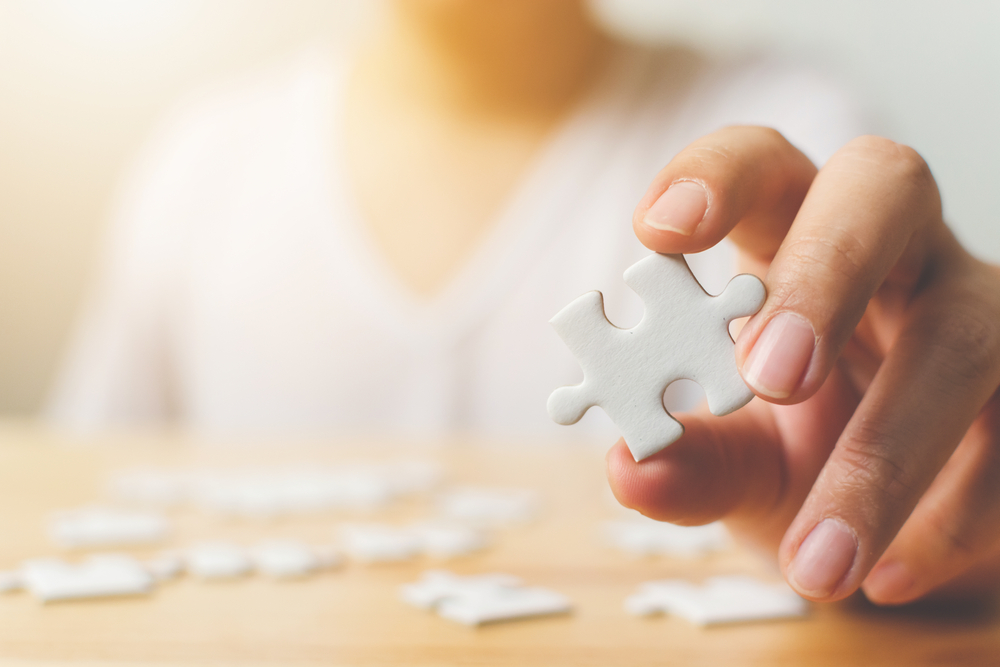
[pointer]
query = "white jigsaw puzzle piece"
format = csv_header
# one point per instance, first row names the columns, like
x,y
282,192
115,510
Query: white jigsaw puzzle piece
x,y
435,586
488,598
488,506
217,560
11,582
683,334
285,559
267,493
110,575
379,543
503,604
732,599
443,540
89,527
647,537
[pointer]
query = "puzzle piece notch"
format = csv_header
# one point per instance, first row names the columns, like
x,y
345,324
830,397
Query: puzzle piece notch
x,y
683,334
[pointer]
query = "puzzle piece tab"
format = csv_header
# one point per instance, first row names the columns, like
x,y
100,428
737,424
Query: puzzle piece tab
x,y
684,334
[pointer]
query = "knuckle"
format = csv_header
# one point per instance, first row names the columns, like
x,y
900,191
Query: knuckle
x,y
868,465
767,135
953,539
836,263
900,160
965,344
837,252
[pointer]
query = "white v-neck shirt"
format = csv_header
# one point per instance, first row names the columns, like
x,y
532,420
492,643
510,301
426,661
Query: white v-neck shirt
x,y
241,292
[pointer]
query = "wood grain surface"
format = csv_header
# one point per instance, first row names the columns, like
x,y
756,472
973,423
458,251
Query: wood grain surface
x,y
352,616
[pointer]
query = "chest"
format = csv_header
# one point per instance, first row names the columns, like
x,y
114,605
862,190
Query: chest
x,y
429,185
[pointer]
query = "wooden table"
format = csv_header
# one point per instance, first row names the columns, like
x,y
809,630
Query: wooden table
x,y
352,616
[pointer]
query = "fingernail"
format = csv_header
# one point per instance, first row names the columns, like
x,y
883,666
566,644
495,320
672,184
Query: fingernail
x,y
889,582
823,559
680,209
780,356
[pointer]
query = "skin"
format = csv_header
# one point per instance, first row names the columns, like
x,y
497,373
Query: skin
x,y
444,111
893,429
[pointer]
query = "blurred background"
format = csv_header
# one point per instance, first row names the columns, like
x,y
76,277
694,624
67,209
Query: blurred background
x,y
82,83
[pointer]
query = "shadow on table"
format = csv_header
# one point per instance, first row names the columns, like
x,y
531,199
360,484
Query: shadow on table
x,y
968,613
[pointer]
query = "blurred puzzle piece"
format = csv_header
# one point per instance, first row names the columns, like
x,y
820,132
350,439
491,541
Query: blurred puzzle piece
x,y
732,599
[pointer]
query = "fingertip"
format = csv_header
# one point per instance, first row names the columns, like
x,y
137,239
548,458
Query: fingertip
x,y
680,209
822,565
664,241
646,486
677,219
890,583
677,484
618,461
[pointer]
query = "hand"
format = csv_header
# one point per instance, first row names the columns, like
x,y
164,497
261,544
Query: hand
x,y
871,457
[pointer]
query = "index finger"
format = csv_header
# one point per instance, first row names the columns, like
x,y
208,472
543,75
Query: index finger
x,y
744,182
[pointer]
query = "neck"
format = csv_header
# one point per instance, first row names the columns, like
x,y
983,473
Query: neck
x,y
512,57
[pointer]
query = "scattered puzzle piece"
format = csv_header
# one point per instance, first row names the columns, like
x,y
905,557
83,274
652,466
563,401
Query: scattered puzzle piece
x,y
285,559
379,543
10,582
482,599
732,599
89,527
436,586
646,537
382,543
268,493
217,560
488,506
503,605
50,579
683,334
443,540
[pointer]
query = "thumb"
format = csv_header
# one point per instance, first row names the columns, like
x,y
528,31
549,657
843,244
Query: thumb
x,y
720,465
